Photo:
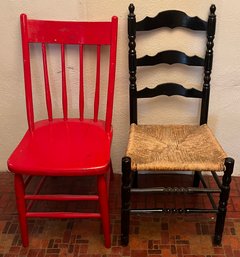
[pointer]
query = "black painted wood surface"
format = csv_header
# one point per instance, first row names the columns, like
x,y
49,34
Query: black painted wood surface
x,y
170,57
171,19
169,89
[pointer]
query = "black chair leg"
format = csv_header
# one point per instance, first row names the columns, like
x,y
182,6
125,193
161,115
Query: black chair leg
x,y
196,179
224,195
135,179
126,194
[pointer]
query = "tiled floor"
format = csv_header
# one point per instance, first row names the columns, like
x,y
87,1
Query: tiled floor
x,y
151,235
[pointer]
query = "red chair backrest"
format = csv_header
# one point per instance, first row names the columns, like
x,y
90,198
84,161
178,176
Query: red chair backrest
x,y
62,33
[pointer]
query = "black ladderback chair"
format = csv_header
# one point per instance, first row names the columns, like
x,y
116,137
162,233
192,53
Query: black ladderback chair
x,y
173,148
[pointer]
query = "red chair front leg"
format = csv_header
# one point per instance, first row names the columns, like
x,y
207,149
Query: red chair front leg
x,y
104,209
21,206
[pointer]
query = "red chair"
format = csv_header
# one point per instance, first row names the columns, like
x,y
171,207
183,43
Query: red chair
x,y
65,146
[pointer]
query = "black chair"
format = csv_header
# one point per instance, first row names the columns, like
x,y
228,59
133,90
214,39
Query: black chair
x,y
173,148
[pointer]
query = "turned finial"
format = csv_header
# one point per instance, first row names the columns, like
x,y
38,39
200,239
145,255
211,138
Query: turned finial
x,y
213,9
131,8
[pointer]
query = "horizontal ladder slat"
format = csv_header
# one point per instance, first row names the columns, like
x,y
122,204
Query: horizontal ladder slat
x,y
170,57
168,89
171,19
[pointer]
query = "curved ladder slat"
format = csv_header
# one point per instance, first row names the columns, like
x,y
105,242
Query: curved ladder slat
x,y
169,89
171,19
170,57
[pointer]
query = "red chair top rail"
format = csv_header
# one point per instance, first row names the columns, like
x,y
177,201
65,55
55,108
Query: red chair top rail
x,y
68,32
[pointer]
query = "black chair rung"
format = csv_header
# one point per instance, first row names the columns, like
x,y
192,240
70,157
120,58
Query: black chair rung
x,y
174,210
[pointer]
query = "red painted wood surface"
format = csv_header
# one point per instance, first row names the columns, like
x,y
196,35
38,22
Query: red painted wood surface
x,y
65,146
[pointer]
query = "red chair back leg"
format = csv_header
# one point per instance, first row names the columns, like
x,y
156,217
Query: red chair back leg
x,y
104,209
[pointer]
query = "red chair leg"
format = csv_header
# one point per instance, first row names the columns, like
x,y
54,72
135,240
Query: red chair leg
x,y
104,209
111,171
109,176
21,206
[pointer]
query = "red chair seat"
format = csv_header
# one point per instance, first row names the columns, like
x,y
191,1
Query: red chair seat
x,y
71,147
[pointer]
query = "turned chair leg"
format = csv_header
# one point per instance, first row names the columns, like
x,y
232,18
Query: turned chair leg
x,y
21,206
196,179
126,194
224,195
104,209
111,171
135,179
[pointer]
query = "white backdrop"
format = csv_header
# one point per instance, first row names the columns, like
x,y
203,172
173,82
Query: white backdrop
x,y
224,115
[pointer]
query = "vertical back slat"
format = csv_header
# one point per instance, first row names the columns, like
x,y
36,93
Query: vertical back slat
x,y
46,80
81,86
112,71
63,33
97,90
64,84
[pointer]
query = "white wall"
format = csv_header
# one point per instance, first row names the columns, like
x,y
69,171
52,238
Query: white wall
x,y
224,116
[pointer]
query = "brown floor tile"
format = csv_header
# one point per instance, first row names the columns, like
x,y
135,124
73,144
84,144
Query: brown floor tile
x,y
151,235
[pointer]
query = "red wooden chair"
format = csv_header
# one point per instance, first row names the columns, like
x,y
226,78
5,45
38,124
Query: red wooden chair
x,y
65,146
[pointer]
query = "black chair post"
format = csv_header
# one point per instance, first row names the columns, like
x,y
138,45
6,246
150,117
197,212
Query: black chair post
x,y
132,73
224,195
207,75
208,65
126,194
132,63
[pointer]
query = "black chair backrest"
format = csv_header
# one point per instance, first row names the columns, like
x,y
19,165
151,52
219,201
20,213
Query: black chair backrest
x,y
170,19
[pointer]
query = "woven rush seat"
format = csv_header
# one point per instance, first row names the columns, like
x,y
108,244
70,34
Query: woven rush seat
x,y
174,147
